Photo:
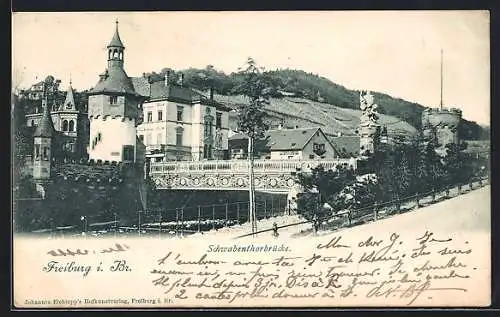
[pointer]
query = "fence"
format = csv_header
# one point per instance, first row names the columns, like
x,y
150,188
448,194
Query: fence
x,y
177,221
348,218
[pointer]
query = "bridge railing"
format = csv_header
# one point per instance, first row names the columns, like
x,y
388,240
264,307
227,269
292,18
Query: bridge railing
x,y
261,166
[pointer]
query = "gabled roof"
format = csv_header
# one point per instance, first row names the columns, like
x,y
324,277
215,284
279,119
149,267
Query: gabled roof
x,y
45,127
141,85
347,146
69,103
173,92
281,140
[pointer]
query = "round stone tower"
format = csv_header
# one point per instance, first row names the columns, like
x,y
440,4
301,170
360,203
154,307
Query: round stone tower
x,y
442,125
114,110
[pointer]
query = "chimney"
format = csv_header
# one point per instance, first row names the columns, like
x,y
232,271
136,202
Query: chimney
x,y
211,93
167,75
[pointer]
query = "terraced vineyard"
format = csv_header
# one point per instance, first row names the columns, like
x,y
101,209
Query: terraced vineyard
x,y
306,113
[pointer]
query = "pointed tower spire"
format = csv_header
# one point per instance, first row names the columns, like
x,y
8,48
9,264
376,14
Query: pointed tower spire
x,y
69,103
46,127
116,41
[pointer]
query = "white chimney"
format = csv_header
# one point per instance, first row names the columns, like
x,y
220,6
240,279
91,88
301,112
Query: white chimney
x,y
167,75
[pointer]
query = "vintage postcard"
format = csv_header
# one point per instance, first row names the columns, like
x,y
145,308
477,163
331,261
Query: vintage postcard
x,y
251,159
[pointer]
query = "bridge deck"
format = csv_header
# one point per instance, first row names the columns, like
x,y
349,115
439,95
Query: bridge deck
x,y
270,175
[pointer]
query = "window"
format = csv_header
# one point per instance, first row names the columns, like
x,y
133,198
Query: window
x,y
218,120
128,152
178,136
159,138
71,126
319,149
32,123
141,137
207,151
150,116
65,125
113,100
160,115
311,156
179,113
45,153
37,151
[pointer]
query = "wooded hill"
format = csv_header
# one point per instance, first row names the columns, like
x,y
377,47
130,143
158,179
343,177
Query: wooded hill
x,y
314,95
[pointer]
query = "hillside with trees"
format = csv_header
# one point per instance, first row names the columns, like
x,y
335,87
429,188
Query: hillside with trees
x,y
298,83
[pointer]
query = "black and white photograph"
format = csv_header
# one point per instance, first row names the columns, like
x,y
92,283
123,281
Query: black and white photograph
x,y
251,159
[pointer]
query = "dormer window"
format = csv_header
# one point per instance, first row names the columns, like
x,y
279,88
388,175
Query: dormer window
x,y
113,100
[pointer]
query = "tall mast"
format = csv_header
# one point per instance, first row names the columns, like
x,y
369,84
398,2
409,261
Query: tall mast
x,y
441,100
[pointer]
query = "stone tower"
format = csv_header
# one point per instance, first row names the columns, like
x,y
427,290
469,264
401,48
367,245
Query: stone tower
x,y
114,110
369,126
441,125
42,139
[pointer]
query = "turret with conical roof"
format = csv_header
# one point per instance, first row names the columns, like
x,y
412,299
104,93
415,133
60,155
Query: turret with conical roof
x,y
43,143
45,128
113,109
115,50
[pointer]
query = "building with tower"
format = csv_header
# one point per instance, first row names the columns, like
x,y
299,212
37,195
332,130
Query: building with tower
x,y
114,110
441,125
70,124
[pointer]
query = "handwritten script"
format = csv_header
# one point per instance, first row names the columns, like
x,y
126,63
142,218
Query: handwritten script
x,y
409,272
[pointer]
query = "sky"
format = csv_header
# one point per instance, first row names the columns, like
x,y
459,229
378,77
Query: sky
x,y
394,52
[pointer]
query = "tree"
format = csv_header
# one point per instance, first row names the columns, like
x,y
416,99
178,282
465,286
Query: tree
x,y
255,87
322,186
457,165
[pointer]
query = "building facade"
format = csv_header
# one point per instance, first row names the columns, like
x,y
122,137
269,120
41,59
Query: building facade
x,y
70,123
286,144
179,124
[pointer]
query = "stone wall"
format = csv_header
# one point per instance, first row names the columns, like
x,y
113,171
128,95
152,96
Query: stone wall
x,y
76,190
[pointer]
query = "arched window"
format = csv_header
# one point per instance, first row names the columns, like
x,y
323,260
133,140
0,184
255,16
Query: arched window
x,y
65,125
115,53
32,123
71,125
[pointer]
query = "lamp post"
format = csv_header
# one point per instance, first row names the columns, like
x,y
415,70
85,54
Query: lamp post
x,y
116,223
84,219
